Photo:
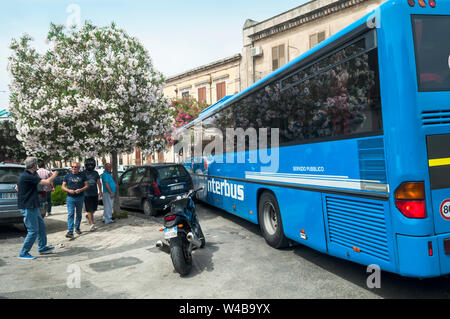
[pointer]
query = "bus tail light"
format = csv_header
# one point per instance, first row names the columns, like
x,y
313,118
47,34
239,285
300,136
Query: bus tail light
x,y
410,199
422,3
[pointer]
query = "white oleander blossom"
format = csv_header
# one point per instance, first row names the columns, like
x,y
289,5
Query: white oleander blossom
x,y
93,92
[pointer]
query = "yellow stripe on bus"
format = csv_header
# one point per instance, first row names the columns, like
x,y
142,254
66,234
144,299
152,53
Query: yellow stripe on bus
x,y
439,162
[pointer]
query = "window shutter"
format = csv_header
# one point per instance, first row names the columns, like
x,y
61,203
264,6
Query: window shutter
x,y
313,40
281,56
316,38
202,94
275,64
220,90
321,36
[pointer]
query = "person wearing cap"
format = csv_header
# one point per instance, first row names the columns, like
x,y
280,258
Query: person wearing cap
x,y
28,203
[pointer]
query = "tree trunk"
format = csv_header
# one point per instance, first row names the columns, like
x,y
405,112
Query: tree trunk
x,y
116,207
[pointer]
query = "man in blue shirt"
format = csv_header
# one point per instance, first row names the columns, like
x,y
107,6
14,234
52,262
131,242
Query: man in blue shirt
x,y
109,190
75,183
28,203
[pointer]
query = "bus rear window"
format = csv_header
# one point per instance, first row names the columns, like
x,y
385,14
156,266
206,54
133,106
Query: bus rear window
x,y
432,48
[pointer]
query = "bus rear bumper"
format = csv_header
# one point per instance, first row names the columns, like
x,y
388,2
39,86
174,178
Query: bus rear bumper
x,y
423,257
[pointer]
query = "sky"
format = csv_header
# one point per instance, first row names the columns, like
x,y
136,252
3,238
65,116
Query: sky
x,y
178,34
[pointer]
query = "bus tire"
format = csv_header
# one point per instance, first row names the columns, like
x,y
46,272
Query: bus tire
x,y
270,221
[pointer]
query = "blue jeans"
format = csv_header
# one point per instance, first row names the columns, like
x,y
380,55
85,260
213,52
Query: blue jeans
x,y
36,229
49,202
74,205
108,204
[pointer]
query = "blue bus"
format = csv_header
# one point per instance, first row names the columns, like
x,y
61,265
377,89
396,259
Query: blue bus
x,y
363,144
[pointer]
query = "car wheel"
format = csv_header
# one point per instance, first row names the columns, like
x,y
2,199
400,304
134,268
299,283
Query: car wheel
x,y
148,208
270,221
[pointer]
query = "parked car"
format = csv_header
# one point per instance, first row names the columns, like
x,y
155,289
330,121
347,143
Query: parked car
x,y
100,169
62,172
122,168
9,176
151,187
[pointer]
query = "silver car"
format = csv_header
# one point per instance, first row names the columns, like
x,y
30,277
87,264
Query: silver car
x,y
9,176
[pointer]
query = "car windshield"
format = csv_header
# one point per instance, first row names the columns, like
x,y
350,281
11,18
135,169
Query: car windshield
x,y
10,175
432,46
171,172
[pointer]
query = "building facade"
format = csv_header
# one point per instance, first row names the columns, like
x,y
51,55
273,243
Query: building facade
x,y
208,83
270,44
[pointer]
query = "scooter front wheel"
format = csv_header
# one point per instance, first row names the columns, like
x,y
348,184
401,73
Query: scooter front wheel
x,y
180,255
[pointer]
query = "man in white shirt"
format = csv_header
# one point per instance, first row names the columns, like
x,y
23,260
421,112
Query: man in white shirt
x,y
48,189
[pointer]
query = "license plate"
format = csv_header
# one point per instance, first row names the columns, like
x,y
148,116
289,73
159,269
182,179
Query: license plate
x,y
174,188
170,232
8,195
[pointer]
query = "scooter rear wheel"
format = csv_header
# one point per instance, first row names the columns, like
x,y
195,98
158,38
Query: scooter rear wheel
x,y
180,255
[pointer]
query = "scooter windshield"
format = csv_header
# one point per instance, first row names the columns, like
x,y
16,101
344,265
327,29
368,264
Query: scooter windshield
x,y
180,205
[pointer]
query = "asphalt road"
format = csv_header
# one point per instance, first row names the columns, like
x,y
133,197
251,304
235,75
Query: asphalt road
x,y
121,261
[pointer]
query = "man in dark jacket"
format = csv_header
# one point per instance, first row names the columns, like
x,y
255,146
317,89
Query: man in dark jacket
x,y
28,202
93,192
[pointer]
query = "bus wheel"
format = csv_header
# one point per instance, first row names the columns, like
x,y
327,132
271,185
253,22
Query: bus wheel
x,y
270,221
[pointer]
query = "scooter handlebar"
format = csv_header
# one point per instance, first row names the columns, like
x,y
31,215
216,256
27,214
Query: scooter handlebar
x,y
185,195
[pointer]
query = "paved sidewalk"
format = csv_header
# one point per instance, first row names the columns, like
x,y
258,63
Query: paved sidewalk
x,y
90,254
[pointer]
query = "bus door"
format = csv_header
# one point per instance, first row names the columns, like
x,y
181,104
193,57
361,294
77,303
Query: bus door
x,y
432,55
438,147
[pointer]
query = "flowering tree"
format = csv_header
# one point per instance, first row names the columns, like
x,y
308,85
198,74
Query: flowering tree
x,y
94,92
185,110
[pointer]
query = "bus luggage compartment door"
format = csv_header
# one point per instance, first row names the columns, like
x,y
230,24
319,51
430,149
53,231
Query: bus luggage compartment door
x,y
438,147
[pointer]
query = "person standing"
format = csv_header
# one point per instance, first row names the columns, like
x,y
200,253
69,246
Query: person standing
x,y
93,192
28,203
44,174
109,190
74,183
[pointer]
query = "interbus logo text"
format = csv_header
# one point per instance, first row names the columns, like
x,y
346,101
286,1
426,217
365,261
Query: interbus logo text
x,y
226,189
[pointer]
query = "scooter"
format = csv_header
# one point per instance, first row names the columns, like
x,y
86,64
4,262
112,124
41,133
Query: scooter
x,y
182,232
